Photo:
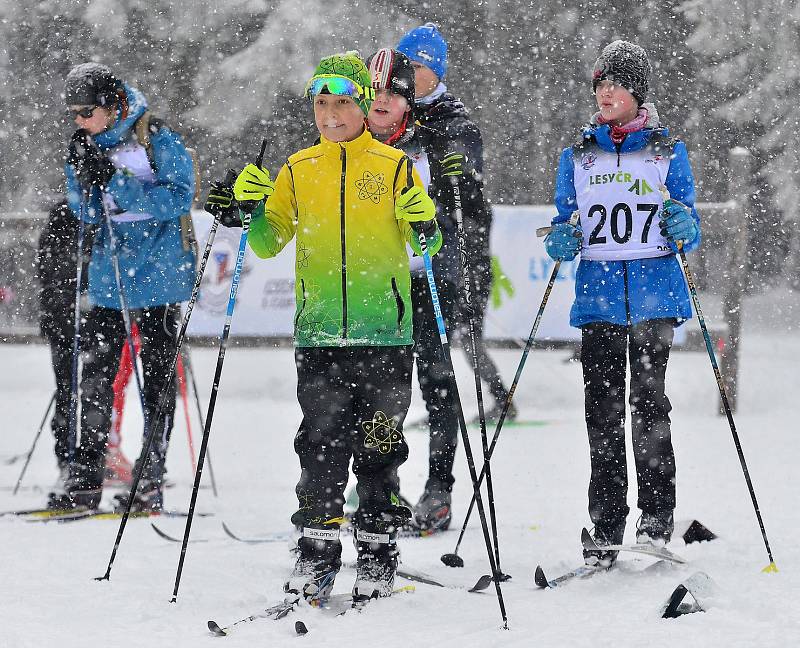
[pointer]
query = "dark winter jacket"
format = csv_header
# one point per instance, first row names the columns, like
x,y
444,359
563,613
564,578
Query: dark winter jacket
x,y
631,291
154,266
57,272
447,128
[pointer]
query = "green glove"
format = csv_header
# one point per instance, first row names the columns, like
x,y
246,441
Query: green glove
x,y
414,205
252,186
500,283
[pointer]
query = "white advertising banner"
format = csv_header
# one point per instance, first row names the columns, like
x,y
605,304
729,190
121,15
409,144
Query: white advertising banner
x,y
265,301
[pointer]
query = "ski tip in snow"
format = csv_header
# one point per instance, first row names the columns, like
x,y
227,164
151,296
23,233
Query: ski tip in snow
x,y
300,628
213,626
539,578
483,582
695,594
697,532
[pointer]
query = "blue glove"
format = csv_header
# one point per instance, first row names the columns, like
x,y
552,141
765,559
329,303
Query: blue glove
x,y
677,224
564,242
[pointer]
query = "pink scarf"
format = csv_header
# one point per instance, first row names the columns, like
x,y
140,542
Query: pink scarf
x,y
618,133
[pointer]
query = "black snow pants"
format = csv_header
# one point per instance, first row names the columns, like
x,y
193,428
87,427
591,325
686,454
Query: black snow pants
x,y
158,327
354,401
435,379
603,355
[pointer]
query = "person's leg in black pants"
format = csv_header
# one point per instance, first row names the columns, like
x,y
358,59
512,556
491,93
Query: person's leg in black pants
x,y
649,347
104,327
158,326
603,355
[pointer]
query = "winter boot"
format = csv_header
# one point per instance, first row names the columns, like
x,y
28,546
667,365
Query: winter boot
x,y
433,511
655,528
319,557
149,495
605,534
377,563
82,490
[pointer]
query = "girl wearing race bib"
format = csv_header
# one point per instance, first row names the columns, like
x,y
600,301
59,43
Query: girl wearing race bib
x,y
630,293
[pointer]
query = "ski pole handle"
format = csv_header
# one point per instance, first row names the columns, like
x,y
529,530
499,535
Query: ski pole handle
x,y
544,231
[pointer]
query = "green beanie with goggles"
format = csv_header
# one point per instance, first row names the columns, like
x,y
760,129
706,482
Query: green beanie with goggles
x,y
332,74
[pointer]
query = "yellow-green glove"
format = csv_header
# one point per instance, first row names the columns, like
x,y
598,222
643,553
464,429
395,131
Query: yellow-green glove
x,y
414,205
252,186
500,283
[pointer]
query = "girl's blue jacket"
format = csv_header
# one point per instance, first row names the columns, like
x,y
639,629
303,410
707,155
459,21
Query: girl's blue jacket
x,y
628,292
154,266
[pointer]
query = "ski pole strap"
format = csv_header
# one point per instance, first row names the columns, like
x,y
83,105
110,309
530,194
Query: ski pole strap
x,y
379,538
321,534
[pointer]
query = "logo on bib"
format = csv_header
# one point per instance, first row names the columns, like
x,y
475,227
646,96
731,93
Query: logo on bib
x,y
588,160
640,187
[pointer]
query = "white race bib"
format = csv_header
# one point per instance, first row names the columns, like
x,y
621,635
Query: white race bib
x,y
132,158
620,203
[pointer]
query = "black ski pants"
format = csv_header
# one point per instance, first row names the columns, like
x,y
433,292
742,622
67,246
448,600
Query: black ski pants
x,y
158,327
435,379
489,372
354,401
603,355
61,357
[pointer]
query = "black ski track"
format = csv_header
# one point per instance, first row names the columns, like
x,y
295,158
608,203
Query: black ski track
x,y
276,537
166,536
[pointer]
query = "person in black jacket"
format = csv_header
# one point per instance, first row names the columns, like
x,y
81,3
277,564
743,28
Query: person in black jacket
x,y
391,120
57,274
439,110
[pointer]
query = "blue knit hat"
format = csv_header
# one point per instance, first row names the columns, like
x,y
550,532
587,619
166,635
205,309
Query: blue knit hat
x,y
426,45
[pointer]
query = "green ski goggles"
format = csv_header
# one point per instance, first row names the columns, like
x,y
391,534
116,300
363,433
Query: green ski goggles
x,y
337,85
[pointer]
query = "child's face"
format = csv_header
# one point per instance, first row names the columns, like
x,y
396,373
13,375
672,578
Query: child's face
x,y
425,79
338,118
616,104
387,112
99,120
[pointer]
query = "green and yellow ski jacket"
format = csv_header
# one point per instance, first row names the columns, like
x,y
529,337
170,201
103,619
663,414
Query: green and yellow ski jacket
x,y
353,286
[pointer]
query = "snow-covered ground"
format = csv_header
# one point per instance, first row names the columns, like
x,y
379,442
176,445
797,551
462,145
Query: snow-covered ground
x,y
48,595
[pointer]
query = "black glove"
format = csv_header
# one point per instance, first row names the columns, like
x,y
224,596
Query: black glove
x,y
221,203
92,167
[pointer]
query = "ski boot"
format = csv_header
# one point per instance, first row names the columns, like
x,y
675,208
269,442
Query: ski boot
x,y
149,496
377,563
603,535
433,511
319,557
78,491
655,528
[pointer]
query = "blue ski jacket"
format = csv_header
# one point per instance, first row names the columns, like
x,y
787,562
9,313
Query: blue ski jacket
x,y
628,292
154,266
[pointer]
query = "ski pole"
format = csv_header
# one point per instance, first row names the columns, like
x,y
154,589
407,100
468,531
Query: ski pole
x,y
453,559
453,173
72,433
212,401
126,317
162,400
772,567
437,312
187,362
35,441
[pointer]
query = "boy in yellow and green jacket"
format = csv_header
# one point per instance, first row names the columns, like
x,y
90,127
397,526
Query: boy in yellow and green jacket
x,y
352,203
